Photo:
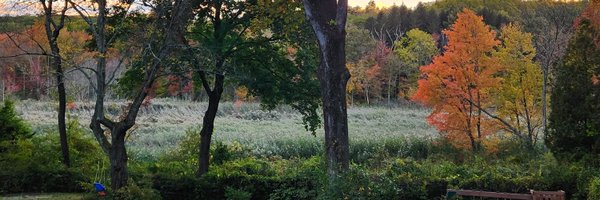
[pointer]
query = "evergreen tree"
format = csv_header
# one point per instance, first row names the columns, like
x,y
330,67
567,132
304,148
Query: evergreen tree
x,y
574,128
11,126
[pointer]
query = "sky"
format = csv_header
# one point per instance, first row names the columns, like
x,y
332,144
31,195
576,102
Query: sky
x,y
5,8
386,3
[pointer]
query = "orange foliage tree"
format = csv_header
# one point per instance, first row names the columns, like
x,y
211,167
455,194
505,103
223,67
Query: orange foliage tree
x,y
457,84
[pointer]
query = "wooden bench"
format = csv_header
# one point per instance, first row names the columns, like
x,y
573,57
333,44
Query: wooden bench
x,y
533,195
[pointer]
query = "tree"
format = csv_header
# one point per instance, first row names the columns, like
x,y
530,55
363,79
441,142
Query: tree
x,y
574,123
358,43
53,29
12,127
371,7
425,19
230,35
24,55
551,23
328,19
519,98
163,32
415,49
457,84
52,25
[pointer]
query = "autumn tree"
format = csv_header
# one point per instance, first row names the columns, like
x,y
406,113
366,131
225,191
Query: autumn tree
x,y
415,49
24,56
574,123
519,99
54,15
457,84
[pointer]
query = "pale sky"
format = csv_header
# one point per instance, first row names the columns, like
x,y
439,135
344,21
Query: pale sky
x,y
386,3
7,9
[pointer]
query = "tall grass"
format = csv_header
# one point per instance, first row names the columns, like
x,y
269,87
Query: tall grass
x,y
162,125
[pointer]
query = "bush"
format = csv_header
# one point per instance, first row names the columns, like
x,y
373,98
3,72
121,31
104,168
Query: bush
x,y
33,164
134,192
594,189
237,194
12,127
248,178
412,168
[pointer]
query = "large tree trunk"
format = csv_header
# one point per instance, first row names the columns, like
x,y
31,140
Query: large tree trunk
x,y
118,159
333,77
335,118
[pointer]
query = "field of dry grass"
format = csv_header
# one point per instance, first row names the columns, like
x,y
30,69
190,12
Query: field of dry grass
x,y
163,124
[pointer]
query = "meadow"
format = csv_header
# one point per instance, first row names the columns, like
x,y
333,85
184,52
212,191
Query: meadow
x,y
259,154
164,123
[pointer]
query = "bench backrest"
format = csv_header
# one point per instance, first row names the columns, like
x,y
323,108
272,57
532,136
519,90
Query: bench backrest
x,y
548,195
534,195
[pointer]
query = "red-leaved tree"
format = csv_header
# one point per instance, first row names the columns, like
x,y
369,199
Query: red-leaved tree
x,y
457,84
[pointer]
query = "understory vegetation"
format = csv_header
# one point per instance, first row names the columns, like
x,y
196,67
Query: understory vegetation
x,y
394,155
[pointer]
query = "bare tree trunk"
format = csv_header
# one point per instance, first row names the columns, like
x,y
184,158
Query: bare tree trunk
x,y
351,98
328,19
469,128
544,99
62,109
530,133
389,91
52,32
2,88
367,94
479,116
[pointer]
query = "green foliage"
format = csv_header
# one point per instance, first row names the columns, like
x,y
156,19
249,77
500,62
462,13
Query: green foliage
x,y
15,23
12,127
288,78
414,50
594,189
359,43
574,129
237,194
134,192
33,164
425,174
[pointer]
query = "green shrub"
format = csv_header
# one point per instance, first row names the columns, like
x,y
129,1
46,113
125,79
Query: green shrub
x,y
33,164
237,194
12,126
594,189
134,192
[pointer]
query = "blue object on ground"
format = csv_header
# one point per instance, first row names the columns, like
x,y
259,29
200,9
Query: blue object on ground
x,y
99,187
